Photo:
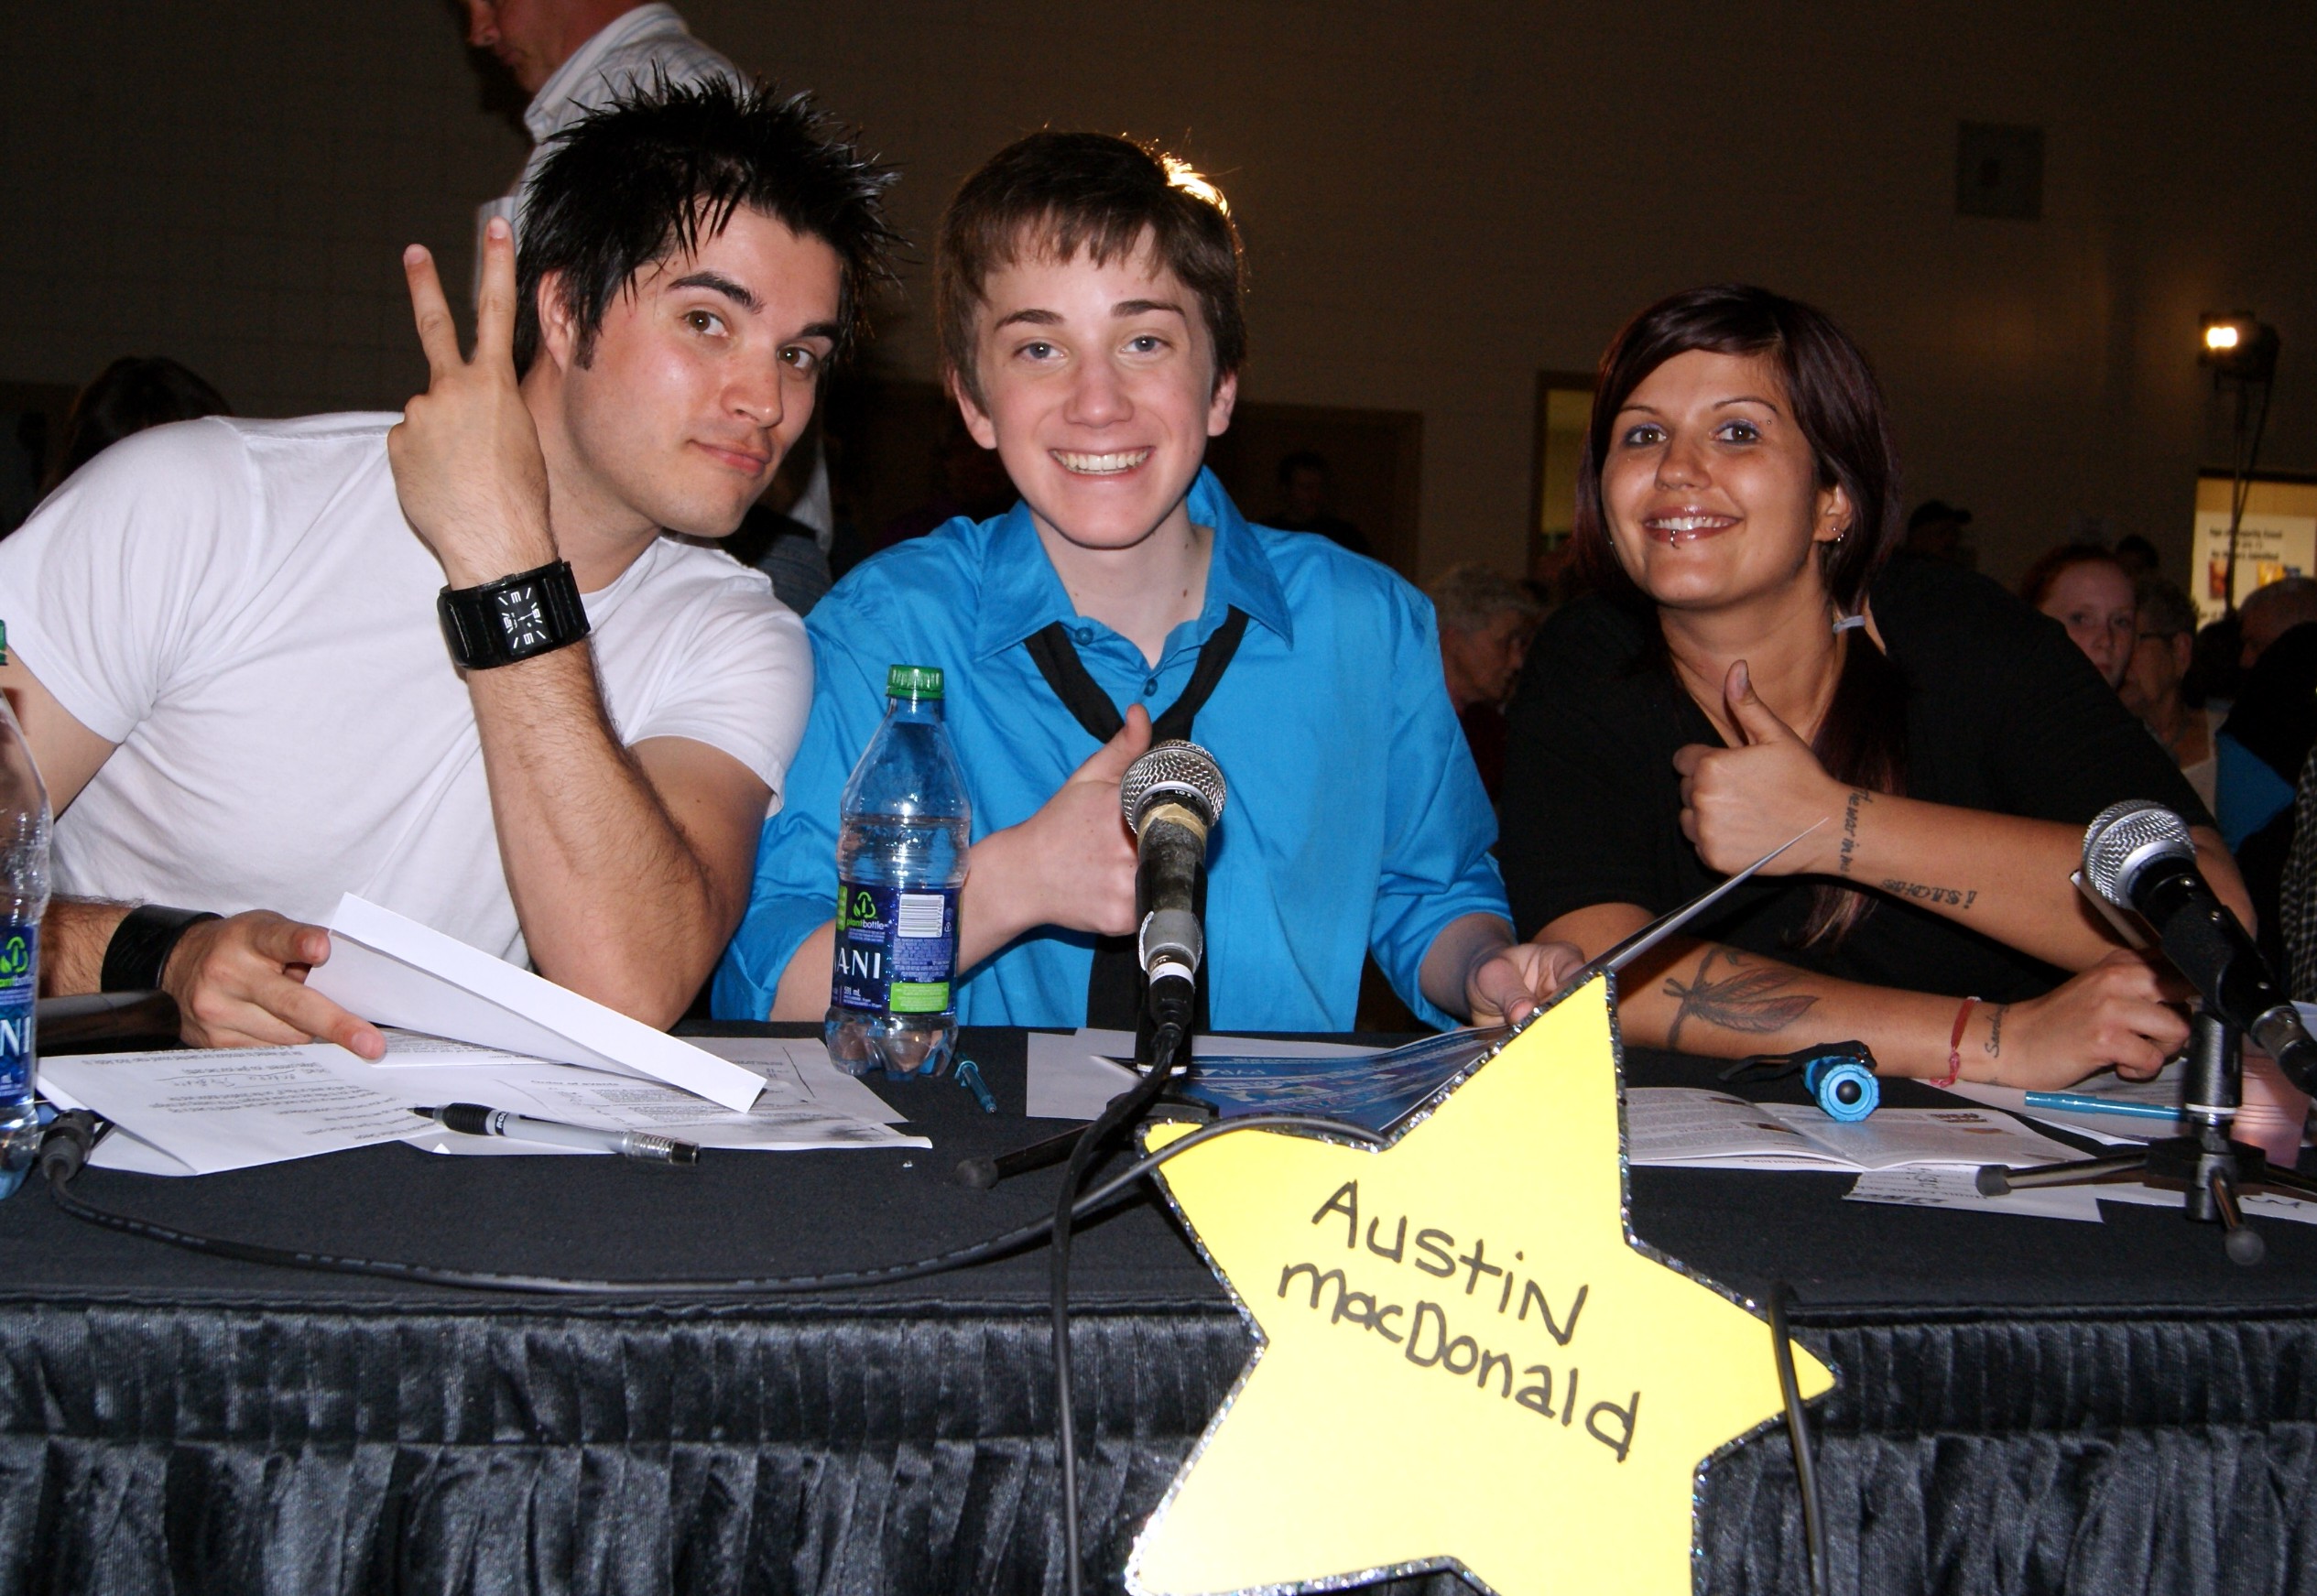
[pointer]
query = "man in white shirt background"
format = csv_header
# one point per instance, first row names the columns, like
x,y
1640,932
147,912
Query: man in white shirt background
x,y
230,664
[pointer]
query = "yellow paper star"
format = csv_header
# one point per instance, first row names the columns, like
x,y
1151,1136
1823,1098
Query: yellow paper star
x,y
1466,1360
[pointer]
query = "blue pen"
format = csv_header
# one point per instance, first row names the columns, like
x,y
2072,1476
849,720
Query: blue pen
x,y
2080,1103
969,1076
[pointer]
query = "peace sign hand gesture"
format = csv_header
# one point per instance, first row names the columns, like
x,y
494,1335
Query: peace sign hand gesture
x,y
466,459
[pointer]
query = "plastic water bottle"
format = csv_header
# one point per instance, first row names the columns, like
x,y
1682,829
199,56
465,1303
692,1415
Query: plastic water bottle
x,y
901,843
24,897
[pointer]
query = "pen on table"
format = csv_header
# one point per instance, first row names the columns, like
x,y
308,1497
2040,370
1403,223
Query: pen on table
x,y
2083,1103
474,1119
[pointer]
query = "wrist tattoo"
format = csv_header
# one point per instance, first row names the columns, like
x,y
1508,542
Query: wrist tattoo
x,y
1754,1000
1859,798
1962,897
1993,1046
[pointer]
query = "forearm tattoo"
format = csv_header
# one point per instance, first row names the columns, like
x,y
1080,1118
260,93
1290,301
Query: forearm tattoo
x,y
1922,892
1859,799
1754,1000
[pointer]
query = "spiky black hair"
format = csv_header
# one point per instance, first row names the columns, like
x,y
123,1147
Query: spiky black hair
x,y
659,169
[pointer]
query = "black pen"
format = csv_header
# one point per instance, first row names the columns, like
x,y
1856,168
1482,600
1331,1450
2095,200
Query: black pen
x,y
473,1119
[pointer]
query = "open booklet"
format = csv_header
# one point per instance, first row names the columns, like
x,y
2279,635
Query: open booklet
x,y
1072,1077
1685,1126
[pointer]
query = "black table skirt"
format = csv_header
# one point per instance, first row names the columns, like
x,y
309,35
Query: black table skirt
x,y
2025,1405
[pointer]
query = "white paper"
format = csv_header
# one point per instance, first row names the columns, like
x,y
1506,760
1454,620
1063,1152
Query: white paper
x,y
2256,1204
194,1112
806,1062
395,972
1953,1188
1073,1077
1694,1128
216,1109
115,1148
417,1051
801,1108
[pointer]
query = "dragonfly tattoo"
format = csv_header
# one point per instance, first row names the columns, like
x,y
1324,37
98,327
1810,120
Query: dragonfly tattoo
x,y
1753,1000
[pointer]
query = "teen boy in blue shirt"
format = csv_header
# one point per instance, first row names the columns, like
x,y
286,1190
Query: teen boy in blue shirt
x,y
1088,292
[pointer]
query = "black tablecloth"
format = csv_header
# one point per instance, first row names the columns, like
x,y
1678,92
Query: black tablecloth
x,y
2026,1404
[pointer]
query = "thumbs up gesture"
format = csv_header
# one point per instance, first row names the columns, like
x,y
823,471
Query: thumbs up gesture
x,y
1071,865
1739,803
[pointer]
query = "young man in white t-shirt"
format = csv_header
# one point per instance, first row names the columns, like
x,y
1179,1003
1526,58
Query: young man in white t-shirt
x,y
230,662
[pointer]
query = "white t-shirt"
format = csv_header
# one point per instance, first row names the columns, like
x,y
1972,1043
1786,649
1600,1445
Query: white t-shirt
x,y
242,608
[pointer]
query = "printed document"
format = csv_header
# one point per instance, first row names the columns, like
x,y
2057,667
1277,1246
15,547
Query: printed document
x,y
199,1112
1690,1127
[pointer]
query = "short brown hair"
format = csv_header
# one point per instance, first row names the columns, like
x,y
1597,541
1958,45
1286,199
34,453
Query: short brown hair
x,y
1068,192
2037,582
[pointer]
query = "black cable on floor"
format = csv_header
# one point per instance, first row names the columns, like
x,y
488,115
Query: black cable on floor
x,y
1798,1431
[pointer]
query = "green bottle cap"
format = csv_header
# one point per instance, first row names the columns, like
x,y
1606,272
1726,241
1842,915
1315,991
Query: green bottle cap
x,y
4,642
913,682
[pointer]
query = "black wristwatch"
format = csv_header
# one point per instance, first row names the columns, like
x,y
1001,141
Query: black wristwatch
x,y
514,618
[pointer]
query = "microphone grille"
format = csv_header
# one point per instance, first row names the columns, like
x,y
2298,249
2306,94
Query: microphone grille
x,y
2125,838
1174,769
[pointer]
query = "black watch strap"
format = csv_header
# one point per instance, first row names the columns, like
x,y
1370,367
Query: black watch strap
x,y
514,618
142,943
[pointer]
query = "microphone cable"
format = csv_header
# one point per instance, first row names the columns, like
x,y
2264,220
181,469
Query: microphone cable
x,y
65,1150
1798,1430
1122,1111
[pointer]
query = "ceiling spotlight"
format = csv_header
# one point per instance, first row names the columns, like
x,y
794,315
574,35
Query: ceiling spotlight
x,y
2239,345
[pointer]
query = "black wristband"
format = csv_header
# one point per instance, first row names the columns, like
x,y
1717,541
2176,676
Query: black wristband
x,y
514,618
142,944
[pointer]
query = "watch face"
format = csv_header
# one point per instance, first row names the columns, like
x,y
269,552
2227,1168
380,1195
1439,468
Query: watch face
x,y
522,616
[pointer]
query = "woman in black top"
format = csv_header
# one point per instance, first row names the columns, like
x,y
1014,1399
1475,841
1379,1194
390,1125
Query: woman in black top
x,y
1749,663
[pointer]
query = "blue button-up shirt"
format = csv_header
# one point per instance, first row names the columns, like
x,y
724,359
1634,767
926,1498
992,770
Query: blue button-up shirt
x,y
1355,819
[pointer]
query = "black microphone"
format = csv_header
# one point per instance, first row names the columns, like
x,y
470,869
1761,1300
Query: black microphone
x,y
1172,796
2138,856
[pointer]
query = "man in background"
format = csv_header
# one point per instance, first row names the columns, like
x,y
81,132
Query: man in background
x,y
1485,622
2269,612
1305,498
1935,532
577,56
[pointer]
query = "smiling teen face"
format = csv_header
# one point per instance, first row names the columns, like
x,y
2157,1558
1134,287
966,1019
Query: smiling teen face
x,y
702,376
1710,489
1099,393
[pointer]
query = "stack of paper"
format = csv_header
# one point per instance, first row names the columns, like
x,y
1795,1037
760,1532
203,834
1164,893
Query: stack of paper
x,y
195,1113
462,1027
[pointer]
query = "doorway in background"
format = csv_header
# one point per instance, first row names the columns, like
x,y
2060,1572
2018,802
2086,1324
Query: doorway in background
x,y
1564,410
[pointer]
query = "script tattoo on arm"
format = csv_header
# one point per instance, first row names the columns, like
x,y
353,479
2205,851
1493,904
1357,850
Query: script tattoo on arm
x,y
1961,896
1749,1000
1993,1046
1859,799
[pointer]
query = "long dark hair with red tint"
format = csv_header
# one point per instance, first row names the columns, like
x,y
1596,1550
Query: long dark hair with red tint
x,y
1838,404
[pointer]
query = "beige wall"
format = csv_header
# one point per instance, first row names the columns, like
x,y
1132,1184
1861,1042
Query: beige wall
x,y
1439,200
